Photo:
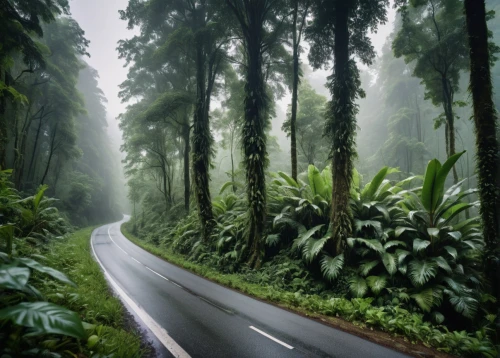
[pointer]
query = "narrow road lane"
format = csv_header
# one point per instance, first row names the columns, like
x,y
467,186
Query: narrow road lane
x,y
194,317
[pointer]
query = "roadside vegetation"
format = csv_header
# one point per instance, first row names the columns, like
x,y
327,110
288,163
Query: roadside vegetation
x,y
384,210
54,300
412,267
372,197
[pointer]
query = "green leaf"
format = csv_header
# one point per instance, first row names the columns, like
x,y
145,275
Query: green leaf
x,y
429,188
452,251
288,179
392,243
226,185
45,317
326,174
376,283
467,306
419,245
358,286
13,277
302,239
437,317
441,178
45,269
420,272
389,262
371,188
433,232
331,266
401,229
401,254
39,196
442,263
367,266
428,298
7,235
313,247
376,225
316,182
371,243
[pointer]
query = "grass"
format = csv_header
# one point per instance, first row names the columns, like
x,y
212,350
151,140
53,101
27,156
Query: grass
x,y
398,328
92,298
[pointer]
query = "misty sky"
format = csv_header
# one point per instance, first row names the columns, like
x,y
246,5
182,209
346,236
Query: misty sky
x,y
103,27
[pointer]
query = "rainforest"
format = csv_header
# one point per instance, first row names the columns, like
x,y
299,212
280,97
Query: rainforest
x,y
323,175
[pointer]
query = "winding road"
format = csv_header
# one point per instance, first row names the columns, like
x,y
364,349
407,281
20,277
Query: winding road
x,y
194,317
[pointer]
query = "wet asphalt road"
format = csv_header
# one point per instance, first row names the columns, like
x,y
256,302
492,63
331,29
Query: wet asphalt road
x,y
203,319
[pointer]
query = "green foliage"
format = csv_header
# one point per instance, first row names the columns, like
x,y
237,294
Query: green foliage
x,y
309,124
45,318
283,281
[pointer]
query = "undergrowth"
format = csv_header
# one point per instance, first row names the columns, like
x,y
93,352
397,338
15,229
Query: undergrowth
x,y
91,299
394,319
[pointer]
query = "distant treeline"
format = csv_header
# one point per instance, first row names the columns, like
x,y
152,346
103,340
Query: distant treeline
x,y
52,113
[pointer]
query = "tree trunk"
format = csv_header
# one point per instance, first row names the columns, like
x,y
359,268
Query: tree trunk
x,y
450,121
166,191
3,122
33,154
20,151
232,161
202,137
486,142
254,145
342,128
187,180
52,148
295,85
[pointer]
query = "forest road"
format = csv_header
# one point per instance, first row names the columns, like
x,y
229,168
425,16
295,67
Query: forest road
x,y
194,317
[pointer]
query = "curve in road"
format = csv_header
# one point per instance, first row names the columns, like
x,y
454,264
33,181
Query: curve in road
x,y
194,317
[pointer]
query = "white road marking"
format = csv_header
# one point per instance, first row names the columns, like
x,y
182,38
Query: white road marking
x,y
157,330
126,253
271,337
200,297
156,273
135,260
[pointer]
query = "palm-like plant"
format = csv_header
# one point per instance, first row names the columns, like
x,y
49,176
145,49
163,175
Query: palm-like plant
x,y
443,252
297,204
39,218
373,247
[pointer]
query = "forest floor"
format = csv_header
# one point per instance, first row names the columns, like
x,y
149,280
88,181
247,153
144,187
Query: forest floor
x,y
238,283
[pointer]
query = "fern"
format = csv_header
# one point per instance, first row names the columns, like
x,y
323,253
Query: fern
x,y
428,298
420,272
376,283
389,262
358,286
331,266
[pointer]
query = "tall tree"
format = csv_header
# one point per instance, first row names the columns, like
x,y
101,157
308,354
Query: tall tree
x,y
260,27
310,120
54,102
299,15
199,25
486,142
338,33
433,36
162,63
21,23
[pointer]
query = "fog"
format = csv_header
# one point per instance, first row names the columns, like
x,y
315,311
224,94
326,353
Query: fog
x,y
104,29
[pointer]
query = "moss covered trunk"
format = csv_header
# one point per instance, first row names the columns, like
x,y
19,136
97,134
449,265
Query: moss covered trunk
x,y
341,129
254,146
295,85
202,138
486,142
